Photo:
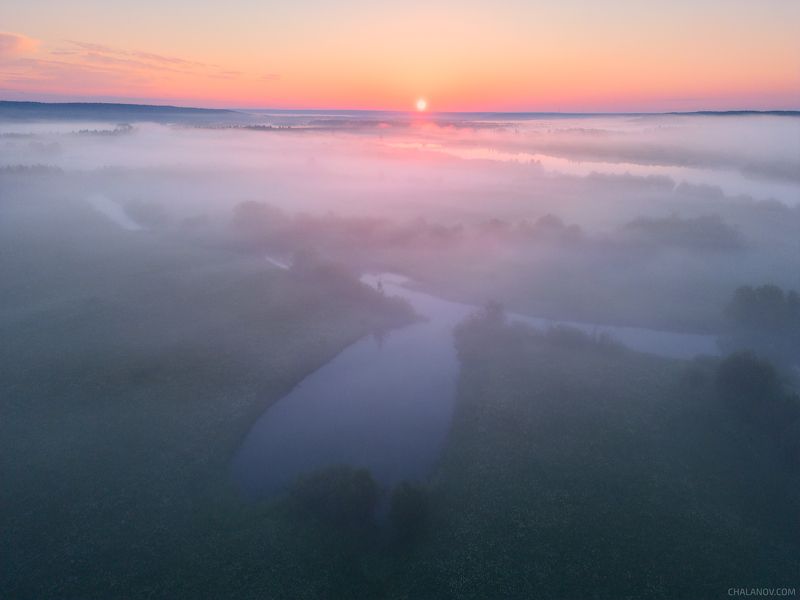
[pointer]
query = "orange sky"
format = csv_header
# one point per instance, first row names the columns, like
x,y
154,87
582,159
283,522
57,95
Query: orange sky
x,y
606,55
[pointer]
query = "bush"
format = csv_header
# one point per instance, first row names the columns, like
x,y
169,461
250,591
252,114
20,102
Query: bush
x,y
341,495
408,511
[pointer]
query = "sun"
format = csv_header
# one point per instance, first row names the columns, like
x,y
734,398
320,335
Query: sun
x,y
422,105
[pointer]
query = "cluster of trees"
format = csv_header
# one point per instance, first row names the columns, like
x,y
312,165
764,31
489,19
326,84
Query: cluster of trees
x,y
308,267
122,129
766,308
750,386
369,241
340,495
765,319
37,170
753,388
763,328
259,223
703,233
348,498
489,324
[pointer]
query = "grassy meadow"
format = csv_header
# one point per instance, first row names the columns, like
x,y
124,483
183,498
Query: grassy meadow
x,y
137,364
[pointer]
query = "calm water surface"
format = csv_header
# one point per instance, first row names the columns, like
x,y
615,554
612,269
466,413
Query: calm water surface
x,y
386,403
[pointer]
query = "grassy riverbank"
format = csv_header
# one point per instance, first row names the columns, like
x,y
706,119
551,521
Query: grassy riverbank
x,y
578,469
574,468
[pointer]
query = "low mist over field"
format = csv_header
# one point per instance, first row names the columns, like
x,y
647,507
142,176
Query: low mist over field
x,y
630,220
363,354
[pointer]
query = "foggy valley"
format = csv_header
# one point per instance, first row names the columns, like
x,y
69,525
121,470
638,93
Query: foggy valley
x,y
376,354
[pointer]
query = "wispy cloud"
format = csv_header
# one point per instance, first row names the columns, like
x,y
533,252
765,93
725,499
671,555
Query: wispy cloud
x,y
153,60
79,69
15,44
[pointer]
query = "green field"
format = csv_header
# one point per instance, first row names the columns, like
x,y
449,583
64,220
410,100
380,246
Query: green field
x,y
136,361
132,366
576,469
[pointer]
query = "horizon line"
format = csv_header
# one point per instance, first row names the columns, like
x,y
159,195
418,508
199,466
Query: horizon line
x,y
142,104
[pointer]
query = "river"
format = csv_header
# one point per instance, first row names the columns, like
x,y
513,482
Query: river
x,y
385,403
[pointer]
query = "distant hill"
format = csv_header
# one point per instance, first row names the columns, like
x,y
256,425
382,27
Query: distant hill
x,y
46,111
739,113
132,113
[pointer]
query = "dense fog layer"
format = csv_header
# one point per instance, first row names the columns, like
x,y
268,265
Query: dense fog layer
x,y
643,220
360,163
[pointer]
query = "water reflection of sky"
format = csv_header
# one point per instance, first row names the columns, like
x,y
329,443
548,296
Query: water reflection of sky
x,y
731,181
385,403
351,154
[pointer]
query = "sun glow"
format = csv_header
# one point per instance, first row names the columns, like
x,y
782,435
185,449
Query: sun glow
x,y
422,105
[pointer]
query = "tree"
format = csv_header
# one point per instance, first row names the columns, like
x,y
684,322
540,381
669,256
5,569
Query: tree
x,y
752,387
766,308
744,381
767,320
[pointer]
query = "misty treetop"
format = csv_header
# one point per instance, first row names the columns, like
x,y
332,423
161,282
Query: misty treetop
x,y
765,319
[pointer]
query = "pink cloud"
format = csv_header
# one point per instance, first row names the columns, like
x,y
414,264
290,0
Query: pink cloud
x,y
148,57
14,44
93,70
